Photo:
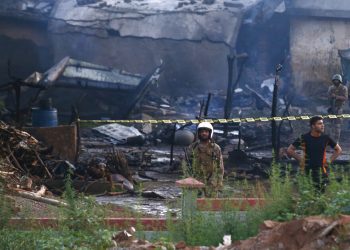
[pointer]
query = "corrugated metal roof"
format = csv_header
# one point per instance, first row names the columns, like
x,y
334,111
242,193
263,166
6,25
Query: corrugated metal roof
x,y
73,73
96,75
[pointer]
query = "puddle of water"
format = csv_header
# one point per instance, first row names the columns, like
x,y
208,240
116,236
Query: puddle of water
x,y
152,207
149,206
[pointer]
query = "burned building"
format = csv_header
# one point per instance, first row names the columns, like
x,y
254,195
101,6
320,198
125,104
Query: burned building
x,y
318,30
191,38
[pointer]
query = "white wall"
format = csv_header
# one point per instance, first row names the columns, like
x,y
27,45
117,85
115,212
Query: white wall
x,y
314,45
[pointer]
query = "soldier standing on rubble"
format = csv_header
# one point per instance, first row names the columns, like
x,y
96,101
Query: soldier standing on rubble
x,y
313,160
338,95
206,163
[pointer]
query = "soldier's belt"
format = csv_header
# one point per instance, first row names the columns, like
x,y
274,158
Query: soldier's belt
x,y
217,121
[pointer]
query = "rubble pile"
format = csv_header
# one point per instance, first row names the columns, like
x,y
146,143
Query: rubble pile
x,y
22,155
25,161
309,233
186,107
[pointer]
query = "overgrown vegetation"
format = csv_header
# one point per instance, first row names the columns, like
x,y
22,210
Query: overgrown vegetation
x,y
5,208
81,224
286,198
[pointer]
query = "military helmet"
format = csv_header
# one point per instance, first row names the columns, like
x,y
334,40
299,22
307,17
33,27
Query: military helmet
x,y
206,125
337,77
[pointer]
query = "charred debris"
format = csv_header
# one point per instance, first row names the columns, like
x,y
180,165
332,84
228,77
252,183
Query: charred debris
x,y
113,158
242,71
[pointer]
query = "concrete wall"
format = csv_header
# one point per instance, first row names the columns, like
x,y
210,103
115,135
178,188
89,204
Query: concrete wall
x,y
314,45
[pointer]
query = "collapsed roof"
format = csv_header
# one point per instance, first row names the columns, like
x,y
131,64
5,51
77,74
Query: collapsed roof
x,y
126,89
73,73
195,20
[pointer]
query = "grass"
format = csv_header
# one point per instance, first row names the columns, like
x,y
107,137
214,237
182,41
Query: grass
x,y
81,224
286,198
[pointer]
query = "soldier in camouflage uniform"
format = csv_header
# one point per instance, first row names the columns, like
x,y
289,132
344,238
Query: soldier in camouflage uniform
x,y
338,95
206,160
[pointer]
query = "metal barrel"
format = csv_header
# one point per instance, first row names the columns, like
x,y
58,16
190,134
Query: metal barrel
x,y
44,117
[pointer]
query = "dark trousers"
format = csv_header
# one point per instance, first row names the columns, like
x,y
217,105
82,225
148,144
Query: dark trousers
x,y
318,177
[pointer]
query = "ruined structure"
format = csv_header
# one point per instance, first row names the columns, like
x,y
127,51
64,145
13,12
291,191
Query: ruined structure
x,y
193,38
318,29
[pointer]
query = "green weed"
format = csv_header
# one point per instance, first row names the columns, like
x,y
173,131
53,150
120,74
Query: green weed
x,y
81,226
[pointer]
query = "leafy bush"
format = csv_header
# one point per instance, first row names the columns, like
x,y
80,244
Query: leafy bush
x,y
333,201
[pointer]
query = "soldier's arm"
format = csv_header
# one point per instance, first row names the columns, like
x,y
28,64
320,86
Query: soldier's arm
x,y
221,165
188,171
189,153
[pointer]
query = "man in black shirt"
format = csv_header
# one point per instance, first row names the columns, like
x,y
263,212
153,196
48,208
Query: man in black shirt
x,y
313,144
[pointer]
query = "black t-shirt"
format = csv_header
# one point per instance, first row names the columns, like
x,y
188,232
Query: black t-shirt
x,y
314,149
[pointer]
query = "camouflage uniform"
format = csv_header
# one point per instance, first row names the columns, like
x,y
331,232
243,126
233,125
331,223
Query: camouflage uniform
x,y
207,166
337,107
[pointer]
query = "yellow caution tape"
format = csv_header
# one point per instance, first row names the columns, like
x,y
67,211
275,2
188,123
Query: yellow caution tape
x,y
250,119
219,121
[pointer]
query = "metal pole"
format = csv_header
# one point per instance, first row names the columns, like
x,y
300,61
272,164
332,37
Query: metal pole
x,y
274,112
207,105
232,69
172,145
18,103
